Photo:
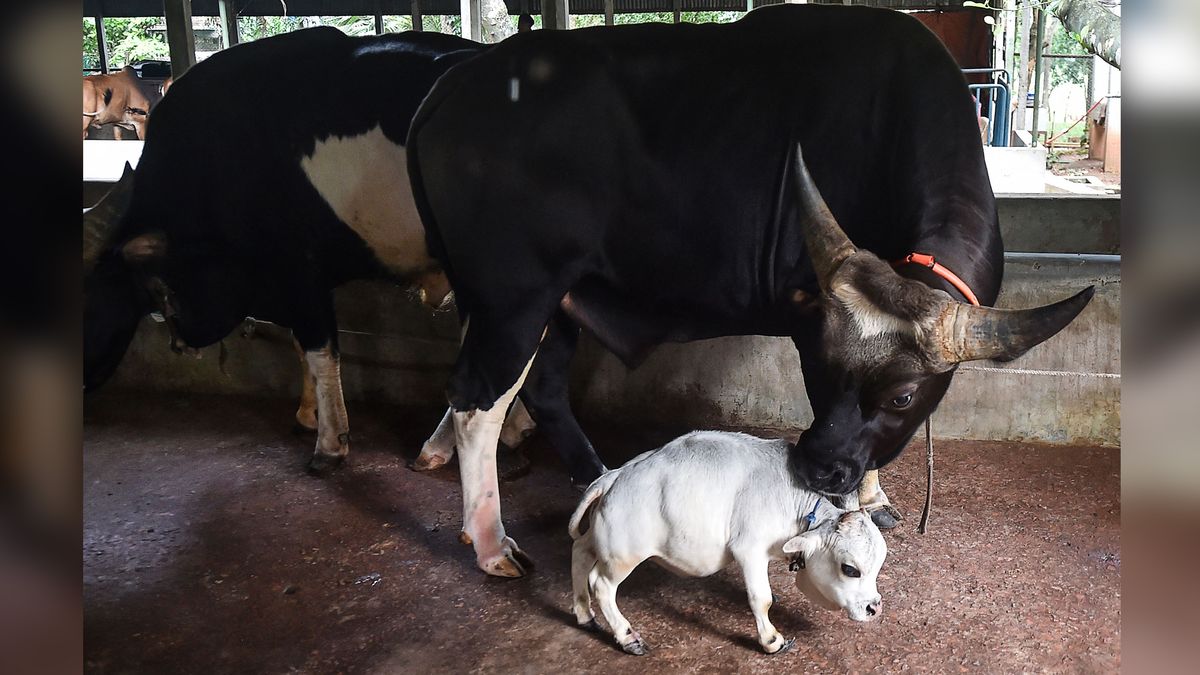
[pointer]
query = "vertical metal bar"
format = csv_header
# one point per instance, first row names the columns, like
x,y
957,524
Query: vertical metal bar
x,y
180,38
555,15
418,21
609,12
378,17
229,25
102,43
677,8
1037,73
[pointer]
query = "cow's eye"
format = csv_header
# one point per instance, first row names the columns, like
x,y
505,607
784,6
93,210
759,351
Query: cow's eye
x,y
902,402
850,571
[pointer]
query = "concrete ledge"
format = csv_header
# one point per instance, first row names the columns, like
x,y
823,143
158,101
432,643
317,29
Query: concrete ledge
x,y
1064,391
1060,223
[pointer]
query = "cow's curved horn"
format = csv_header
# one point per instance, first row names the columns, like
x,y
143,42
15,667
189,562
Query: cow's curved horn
x,y
968,333
101,220
828,245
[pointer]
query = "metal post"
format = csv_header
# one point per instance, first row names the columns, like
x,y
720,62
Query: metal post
x,y
677,7
418,21
1037,73
102,44
229,25
472,28
378,17
609,11
180,38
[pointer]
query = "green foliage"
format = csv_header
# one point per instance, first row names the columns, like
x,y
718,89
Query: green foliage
x,y
585,20
1062,41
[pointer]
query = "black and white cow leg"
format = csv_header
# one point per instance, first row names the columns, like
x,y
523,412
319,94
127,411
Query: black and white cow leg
x,y
333,426
872,498
478,434
546,394
438,450
306,413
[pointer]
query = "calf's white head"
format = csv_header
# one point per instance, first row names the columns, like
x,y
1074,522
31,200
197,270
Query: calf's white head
x,y
837,563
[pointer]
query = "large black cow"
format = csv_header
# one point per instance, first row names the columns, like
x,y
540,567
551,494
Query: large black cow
x,y
274,172
644,182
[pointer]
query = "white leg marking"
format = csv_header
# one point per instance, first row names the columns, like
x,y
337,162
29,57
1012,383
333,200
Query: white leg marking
x,y
333,428
758,591
870,495
306,413
477,432
438,450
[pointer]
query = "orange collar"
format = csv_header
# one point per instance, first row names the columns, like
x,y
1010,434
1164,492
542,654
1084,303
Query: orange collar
x,y
939,269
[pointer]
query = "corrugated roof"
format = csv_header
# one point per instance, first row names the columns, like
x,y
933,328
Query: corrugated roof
x,y
124,8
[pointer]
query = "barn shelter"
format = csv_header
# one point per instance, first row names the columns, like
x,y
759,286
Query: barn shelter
x,y
205,539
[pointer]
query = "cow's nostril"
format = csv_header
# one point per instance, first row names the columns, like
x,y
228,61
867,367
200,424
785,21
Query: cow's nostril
x,y
872,609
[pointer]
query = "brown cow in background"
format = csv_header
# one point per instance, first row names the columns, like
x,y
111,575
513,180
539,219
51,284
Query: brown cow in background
x,y
115,99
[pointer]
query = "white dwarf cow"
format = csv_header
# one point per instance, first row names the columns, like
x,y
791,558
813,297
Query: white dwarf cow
x,y
708,498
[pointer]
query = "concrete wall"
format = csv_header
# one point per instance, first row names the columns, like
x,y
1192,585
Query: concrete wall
x,y
1064,391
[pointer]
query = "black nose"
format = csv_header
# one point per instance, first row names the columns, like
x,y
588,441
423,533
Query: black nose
x,y
872,608
836,478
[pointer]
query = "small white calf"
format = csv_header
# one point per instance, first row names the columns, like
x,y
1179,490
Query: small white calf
x,y
705,499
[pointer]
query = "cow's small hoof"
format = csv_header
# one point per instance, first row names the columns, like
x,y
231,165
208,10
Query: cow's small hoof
x,y
511,464
886,517
592,626
512,563
429,461
784,647
322,463
637,647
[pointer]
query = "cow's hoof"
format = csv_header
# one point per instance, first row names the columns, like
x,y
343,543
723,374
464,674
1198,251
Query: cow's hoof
x,y
511,464
429,460
637,647
592,626
886,517
511,563
323,463
780,646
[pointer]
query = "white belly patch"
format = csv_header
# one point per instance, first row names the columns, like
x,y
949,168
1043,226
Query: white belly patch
x,y
364,179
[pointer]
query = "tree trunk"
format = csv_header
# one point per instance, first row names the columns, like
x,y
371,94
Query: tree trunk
x,y
1099,30
494,21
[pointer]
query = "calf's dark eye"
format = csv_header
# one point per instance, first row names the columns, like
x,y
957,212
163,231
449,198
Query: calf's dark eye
x,y
901,402
851,571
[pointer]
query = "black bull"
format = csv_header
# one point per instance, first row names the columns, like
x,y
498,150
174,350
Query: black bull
x,y
639,182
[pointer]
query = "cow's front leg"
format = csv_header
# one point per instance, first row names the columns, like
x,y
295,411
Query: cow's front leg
x,y
872,498
478,432
333,427
758,591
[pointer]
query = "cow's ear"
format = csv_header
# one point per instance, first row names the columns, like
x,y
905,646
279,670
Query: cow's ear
x,y
806,544
145,248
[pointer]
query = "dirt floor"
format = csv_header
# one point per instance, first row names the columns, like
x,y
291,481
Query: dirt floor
x,y
207,549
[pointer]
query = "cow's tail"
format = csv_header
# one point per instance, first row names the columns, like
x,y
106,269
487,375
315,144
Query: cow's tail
x,y
594,492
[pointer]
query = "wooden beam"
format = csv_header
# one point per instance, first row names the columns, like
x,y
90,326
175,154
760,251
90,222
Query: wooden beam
x,y
472,26
418,21
555,14
229,23
102,44
180,38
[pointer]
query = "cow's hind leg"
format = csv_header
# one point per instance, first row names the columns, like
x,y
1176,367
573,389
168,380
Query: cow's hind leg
x,y
306,412
872,498
477,431
438,450
607,578
316,333
583,563
545,392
